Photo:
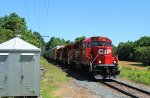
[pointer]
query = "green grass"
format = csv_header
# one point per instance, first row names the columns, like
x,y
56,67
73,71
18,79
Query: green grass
x,y
139,76
52,78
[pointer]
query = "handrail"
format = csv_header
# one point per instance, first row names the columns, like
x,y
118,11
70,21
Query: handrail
x,y
95,58
91,62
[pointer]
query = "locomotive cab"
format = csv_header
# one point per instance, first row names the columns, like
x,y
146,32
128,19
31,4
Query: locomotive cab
x,y
103,64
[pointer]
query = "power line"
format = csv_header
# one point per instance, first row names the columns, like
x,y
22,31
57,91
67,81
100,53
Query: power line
x,y
47,14
36,23
43,18
27,10
39,15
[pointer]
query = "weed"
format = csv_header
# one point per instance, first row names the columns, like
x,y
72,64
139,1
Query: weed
x,y
140,76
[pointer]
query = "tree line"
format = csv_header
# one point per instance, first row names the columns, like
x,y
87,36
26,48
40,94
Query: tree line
x,y
12,25
53,42
135,51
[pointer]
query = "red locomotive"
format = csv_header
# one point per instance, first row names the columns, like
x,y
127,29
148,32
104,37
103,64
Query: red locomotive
x,y
93,55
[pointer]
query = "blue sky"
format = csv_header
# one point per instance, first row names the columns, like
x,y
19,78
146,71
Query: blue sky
x,y
119,20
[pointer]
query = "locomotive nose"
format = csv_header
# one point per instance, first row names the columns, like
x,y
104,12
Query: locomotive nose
x,y
102,55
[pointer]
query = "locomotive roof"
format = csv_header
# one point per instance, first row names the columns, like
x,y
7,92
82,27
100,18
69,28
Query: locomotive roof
x,y
97,37
77,43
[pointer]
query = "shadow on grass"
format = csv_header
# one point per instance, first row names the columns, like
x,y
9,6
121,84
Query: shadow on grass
x,y
72,72
75,73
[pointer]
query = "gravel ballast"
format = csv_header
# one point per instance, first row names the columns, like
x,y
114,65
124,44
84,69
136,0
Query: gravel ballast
x,y
137,85
100,90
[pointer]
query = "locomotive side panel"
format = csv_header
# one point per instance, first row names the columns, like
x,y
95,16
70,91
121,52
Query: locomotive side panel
x,y
86,51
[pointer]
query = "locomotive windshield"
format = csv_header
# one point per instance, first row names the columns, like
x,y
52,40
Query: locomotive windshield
x,y
96,43
109,44
102,43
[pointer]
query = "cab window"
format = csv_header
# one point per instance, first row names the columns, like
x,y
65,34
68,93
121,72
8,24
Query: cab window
x,y
95,43
88,44
108,43
102,43
84,45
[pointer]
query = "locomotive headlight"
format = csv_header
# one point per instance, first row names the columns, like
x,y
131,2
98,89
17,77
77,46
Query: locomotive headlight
x,y
105,52
100,62
114,61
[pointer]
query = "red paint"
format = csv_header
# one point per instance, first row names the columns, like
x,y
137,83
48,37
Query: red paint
x,y
84,52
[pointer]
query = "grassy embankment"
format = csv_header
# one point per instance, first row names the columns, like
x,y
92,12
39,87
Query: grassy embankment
x,y
52,79
138,74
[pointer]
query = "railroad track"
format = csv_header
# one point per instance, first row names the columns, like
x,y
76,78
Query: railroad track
x,y
126,89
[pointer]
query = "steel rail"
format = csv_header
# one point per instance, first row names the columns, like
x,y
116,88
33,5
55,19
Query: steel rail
x,y
140,90
126,85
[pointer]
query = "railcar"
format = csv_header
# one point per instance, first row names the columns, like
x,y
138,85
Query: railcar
x,y
92,55
52,53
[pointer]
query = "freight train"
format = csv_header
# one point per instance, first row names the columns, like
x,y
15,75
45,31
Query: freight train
x,y
92,55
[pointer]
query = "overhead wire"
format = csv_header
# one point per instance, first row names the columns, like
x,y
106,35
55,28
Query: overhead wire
x,y
39,16
47,14
41,13
27,10
43,17
35,13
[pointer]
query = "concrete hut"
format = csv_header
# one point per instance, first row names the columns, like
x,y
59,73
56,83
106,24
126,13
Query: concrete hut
x,y
19,68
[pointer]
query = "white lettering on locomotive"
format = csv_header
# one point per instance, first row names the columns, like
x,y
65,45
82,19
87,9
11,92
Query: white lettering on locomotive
x,y
108,51
100,51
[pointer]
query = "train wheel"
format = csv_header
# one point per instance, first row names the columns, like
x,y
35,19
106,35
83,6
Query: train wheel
x,y
109,74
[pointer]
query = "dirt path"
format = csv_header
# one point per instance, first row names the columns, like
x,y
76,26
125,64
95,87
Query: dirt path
x,y
72,90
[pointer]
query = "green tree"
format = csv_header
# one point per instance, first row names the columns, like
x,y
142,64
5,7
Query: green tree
x,y
143,41
12,25
125,51
53,42
38,36
5,34
135,51
143,54
80,38
68,42
114,50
